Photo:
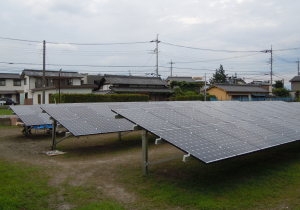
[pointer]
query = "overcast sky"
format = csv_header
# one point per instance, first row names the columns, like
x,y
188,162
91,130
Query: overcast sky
x,y
197,36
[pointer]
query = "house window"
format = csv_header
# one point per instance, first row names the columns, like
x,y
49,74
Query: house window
x,y
2,82
25,81
38,83
39,99
17,82
7,95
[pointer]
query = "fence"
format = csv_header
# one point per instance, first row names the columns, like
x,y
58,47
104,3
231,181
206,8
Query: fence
x,y
256,99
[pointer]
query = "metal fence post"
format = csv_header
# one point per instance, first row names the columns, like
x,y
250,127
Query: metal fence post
x,y
54,123
145,152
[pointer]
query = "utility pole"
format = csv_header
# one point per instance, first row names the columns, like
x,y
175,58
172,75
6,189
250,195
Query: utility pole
x,y
171,66
205,89
156,53
270,51
271,67
298,66
44,64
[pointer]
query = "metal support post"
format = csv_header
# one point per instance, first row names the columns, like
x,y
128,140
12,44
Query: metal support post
x,y
145,152
54,123
119,135
26,131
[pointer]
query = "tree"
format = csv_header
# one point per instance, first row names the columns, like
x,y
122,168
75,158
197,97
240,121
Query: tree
x,y
219,76
278,84
281,92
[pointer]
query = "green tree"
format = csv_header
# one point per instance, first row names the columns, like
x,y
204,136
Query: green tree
x,y
219,76
278,84
281,92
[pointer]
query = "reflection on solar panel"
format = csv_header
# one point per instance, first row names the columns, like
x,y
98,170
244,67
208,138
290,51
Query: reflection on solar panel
x,y
31,115
213,131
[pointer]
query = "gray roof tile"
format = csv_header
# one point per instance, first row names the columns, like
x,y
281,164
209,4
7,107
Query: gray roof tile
x,y
241,88
39,73
134,80
295,79
180,79
9,76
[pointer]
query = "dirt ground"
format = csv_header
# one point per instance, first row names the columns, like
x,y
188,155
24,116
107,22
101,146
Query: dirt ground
x,y
95,158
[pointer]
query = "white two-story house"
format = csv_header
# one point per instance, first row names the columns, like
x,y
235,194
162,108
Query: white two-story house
x,y
11,86
70,82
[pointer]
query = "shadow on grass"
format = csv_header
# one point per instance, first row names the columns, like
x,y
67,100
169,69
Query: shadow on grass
x,y
109,146
261,180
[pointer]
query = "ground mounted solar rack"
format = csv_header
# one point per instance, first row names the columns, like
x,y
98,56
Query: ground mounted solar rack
x,y
213,131
82,119
32,116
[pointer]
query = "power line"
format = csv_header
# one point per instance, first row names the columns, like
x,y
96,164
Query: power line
x,y
195,48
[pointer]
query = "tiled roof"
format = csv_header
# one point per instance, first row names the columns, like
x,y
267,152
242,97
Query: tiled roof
x,y
39,73
180,79
8,92
240,88
295,79
134,80
67,87
138,90
9,76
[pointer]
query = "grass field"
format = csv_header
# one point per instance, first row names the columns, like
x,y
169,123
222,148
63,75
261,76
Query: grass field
x,y
5,112
269,179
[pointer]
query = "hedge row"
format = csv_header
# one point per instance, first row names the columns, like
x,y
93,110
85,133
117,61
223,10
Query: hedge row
x,y
90,97
193,98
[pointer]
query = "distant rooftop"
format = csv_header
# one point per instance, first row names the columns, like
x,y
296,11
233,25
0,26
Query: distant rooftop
x,y
134,80
9,76
239,88
295,79
180,79
39,73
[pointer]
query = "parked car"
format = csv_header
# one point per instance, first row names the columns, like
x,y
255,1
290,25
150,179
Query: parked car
x,y
8,101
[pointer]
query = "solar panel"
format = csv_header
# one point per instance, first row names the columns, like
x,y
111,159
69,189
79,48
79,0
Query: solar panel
x,y
231,129
196,146
31,115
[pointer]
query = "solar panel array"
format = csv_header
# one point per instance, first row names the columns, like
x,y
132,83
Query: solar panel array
x,y
31,115
94,118
213,131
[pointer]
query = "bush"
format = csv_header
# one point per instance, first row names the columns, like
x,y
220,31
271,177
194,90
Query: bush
x,y
194,98
281,92
90,97
190,93
178,91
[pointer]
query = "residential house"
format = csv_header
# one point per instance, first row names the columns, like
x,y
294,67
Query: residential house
x,y
154,86
90,79
70,82
234,91
11,86
187,79
264,84
295,85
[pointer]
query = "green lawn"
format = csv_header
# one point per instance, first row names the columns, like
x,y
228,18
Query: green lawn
x,y
25,187
269,179
5,112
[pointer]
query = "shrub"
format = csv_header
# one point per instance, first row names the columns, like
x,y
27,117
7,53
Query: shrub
x,y
90,97
190,93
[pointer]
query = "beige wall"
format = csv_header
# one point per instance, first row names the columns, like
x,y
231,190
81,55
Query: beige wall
x,y
295,86
9,85
220,94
